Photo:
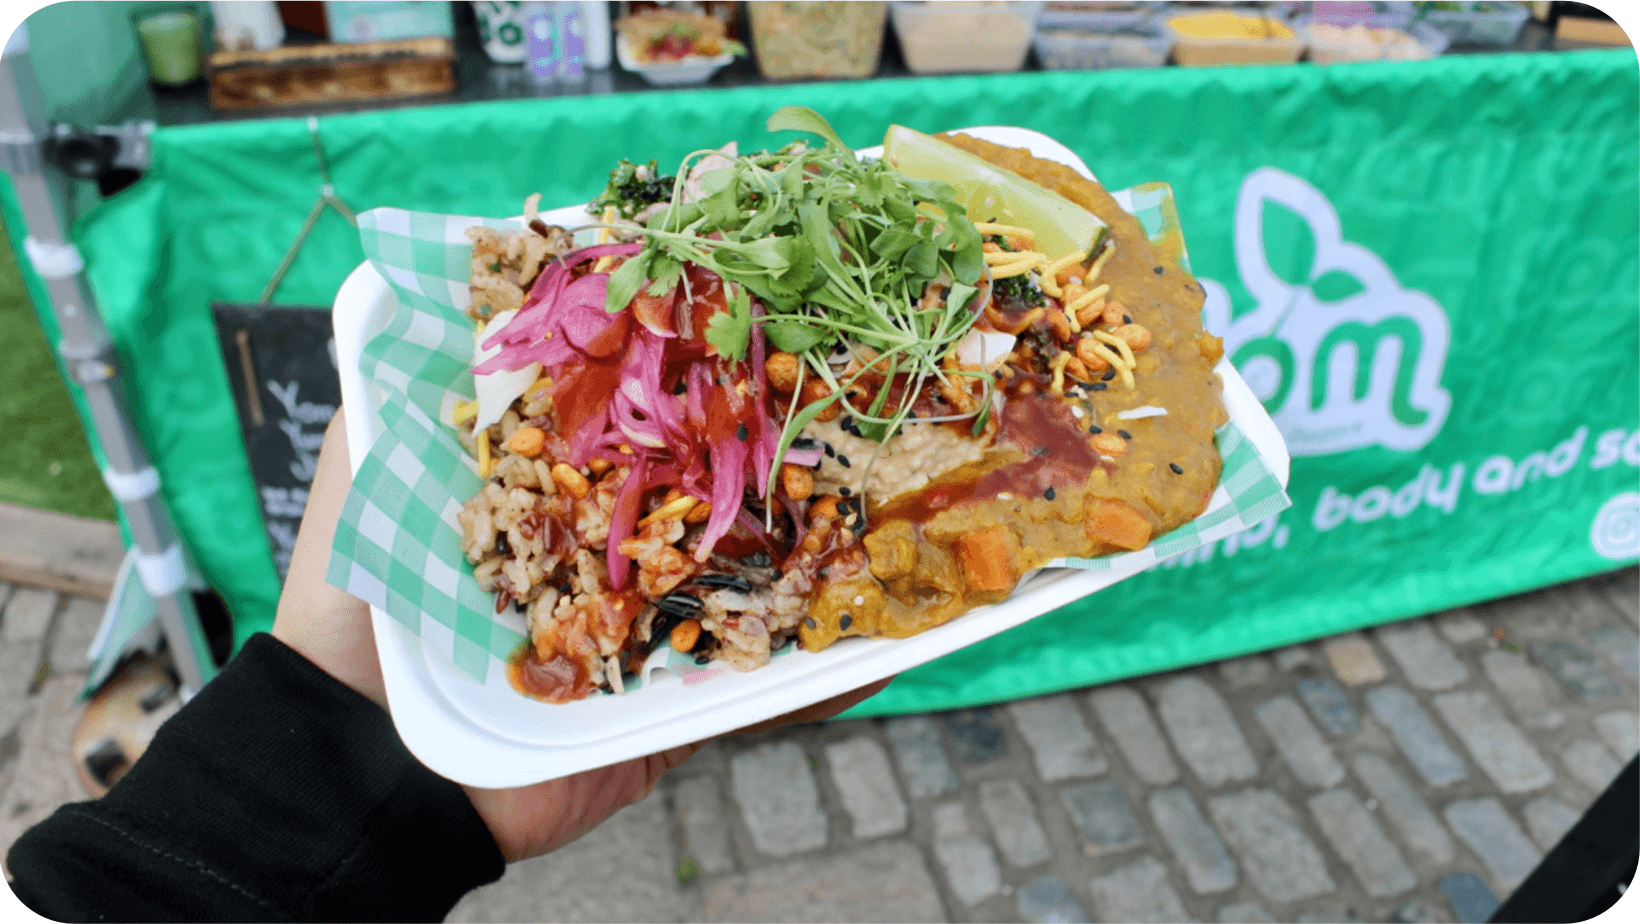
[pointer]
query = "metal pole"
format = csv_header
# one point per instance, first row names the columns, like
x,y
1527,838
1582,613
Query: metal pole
x,y
88,354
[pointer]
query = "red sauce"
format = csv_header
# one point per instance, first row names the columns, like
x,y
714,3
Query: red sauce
x,y
1058,456
559,680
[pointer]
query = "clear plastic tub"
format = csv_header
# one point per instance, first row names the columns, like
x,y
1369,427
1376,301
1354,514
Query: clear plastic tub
x,y
795,40
1268,40
956,37
1114,42
1496,24
1385,37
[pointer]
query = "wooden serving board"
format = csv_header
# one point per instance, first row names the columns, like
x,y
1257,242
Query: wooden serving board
x,y
303,75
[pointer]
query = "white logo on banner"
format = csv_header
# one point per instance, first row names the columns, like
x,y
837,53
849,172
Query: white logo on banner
x,y
1616,530
1336,375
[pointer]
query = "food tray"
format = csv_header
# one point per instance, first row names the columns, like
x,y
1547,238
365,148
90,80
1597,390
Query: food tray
x,y
1108,40
681,73
486,734
1194,51
1321,50
1496,24
957,37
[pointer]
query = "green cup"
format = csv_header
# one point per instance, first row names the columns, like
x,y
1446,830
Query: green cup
x,y
170,40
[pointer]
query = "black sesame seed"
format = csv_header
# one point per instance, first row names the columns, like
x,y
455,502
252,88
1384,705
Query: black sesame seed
x,y
843,461
808,621
778,573
725,582
1096,429
518,606
740,433
703,660
1109,374
1127,319
845,622
804,442
682,388
755,560
829,451
1039,451
1097,386
1176,469
1157,270
501,544
844,491
859,528
1049,494
1124,434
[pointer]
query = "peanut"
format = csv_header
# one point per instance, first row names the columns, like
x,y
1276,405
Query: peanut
x,y
598,467
571,480
797,480
685,635
817,390
1073,291
1114,311
1075,369
992,247
527,441
1089,356
824,509
782,370
1137,336
1109,444
1091,313
699,513
1060,325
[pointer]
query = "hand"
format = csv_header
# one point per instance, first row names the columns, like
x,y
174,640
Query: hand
x,y
331,628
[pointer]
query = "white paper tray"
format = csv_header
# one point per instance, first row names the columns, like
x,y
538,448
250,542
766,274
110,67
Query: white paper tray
x,y
488,735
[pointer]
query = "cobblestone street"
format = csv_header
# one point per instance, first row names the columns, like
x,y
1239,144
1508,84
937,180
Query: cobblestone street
x,y
1414,772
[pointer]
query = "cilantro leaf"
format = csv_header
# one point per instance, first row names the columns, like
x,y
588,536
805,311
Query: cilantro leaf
x,y
625,281
731,330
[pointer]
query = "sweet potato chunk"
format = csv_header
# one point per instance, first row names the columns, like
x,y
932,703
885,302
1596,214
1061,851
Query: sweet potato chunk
x,y
987,559
1116,523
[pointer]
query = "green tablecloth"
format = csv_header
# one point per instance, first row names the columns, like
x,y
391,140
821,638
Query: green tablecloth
x,y
1429,270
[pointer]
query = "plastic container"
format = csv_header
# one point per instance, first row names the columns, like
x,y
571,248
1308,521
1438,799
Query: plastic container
x,y
1496,24
488,735
1360,38
670,73
956,37
1267,40
1111,40
794,39
1099,17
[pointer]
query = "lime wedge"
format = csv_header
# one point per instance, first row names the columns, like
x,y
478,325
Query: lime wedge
x,y
991,193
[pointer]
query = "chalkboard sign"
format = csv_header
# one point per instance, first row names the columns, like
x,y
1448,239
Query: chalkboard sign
x,y
281,364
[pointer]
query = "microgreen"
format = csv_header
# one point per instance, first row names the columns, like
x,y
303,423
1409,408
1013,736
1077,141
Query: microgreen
x,y
839,250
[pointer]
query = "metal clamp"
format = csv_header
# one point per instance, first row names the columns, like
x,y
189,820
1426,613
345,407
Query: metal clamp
x,y
19,153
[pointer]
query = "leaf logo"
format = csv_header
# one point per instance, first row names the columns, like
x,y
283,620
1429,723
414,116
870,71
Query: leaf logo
x,y
1345,357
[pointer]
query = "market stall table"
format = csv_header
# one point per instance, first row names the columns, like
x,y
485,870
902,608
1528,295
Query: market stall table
x,y
1428,270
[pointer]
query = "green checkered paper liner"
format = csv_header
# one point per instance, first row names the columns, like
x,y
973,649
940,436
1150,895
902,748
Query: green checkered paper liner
x,y
398,546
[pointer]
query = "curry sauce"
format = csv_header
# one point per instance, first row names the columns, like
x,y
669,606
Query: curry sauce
x,y
1052,482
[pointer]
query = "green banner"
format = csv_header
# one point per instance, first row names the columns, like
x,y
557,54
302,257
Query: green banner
x,y
1427,270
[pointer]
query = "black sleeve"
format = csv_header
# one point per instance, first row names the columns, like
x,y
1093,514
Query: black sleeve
x,y
278,793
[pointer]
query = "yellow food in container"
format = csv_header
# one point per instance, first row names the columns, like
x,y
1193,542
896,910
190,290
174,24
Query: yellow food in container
x,y
1207,39
795,39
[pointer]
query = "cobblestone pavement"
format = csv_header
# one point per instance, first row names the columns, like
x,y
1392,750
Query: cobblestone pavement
x,y
1413,772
